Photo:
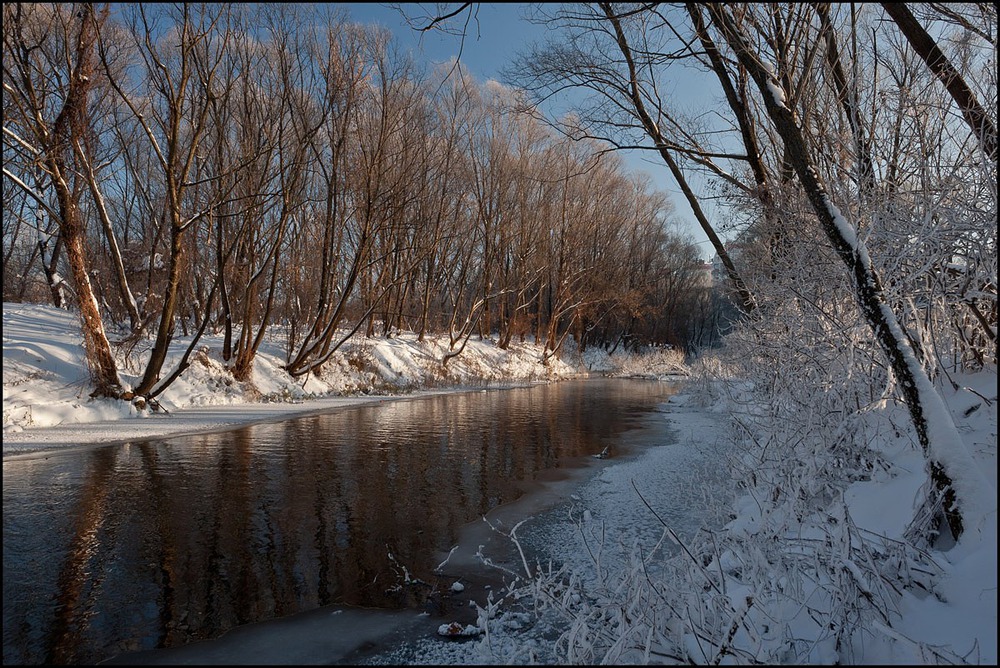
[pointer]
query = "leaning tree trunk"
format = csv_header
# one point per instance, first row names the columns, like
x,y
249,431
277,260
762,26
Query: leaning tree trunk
x,y
69,126
925,46
117,263
165,330
747,303
952,470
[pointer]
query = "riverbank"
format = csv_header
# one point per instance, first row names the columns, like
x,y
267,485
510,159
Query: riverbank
x,y
46,403
582,547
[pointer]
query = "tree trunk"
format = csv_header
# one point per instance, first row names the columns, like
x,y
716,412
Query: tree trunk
x,y
165,331
925,46
49,265
103,370
68,128
128,300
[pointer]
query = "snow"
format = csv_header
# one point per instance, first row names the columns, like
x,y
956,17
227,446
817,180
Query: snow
x,y
46,386
777,94
951,616
953,620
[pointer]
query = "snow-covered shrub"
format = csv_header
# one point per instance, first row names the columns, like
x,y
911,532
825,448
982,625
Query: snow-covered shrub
x,y
792,579
651,362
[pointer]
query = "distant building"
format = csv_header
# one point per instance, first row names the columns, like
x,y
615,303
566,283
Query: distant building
x,y
705,275
719,273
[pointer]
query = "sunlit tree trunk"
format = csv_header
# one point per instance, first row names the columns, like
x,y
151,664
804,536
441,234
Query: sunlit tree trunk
x,y
55,154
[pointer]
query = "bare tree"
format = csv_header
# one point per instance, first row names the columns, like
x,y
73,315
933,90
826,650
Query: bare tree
x,y
172,113
43,46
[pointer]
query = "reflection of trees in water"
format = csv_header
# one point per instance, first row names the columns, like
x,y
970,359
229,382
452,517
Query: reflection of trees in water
x,y
76,584
179,541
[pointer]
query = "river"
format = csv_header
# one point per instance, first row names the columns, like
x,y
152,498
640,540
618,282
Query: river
x,y
154,544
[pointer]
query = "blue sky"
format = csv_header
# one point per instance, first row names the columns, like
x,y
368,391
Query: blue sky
x,y
492,41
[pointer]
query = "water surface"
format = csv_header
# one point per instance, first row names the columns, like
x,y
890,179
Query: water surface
x,y
163,542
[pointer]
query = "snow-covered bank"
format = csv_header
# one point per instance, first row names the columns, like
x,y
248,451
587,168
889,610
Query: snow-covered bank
x,y
843,584
582,551
46,386
829,560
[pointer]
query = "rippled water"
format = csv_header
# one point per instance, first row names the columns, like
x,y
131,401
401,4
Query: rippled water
x,y
159,543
